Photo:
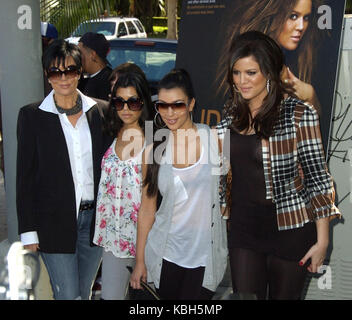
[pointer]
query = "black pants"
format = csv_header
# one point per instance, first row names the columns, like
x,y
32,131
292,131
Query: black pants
x,y
254,275
178,283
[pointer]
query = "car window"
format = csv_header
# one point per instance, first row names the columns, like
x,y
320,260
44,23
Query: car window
x,y
105,28
155,64
139,25
121,31
131,28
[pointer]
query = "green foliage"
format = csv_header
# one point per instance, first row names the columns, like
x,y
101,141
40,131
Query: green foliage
x,y
66,15
348,6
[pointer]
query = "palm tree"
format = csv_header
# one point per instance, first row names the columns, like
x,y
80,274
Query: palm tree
x,y
66,15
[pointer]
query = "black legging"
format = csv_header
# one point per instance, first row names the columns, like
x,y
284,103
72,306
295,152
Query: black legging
x,y
178,283
254,273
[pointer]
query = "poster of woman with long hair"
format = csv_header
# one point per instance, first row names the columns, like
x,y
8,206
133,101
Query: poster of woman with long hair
x,y
308,31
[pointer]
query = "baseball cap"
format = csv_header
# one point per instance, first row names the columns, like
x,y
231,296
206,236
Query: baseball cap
x,y
48,30
96,42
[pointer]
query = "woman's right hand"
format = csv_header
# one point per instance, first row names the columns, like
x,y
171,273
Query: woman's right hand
x,y
139,273
303,90
32,247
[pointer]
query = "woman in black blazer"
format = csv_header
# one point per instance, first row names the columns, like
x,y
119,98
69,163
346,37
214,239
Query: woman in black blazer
x,y
60,147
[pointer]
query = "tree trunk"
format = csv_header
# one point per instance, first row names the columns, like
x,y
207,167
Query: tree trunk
x,y
171,19
132,10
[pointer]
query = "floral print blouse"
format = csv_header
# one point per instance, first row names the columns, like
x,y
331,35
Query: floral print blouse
x,y
118,203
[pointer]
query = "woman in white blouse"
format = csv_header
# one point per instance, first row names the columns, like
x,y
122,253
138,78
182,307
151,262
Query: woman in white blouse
x,y
181,247
60,147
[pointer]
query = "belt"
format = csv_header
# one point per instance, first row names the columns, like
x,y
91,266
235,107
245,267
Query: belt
x,y
86,205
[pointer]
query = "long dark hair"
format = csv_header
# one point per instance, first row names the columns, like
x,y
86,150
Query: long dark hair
x,y
269,17
176,78
270,59
113,123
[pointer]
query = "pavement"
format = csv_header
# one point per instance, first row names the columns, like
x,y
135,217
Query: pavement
x,y
43,291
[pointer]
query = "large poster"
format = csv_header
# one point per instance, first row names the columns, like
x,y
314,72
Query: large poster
x,y
311,49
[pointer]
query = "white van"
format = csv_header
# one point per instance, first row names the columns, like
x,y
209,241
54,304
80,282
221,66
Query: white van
x,y
111,28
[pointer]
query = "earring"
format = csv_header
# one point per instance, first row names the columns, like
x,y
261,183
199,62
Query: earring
x,y
161,123
235,89
268,85
191,115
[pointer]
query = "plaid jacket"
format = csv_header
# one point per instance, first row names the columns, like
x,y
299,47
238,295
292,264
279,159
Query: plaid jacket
x,y
295,172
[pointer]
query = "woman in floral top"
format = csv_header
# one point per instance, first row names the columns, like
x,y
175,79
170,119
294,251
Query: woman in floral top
x,y
119,192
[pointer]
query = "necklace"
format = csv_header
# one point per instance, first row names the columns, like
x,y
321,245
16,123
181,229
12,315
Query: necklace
x,y
72,111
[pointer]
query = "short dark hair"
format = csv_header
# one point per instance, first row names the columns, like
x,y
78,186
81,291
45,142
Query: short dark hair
x,y
58,51
97,42
113,123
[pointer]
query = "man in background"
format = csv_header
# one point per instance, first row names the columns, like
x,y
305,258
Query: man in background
x,y
49,33
94,48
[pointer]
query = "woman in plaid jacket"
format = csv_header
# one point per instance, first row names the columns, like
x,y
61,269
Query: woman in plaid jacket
x,y
282,196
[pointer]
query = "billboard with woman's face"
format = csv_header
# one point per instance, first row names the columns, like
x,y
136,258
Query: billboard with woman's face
x,y
308,31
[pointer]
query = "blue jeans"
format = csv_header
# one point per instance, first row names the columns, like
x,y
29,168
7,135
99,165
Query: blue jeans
x,y
72,275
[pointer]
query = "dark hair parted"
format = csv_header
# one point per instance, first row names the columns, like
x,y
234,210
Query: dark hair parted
x,y
123,68
270,59
113,123
57,52
176,78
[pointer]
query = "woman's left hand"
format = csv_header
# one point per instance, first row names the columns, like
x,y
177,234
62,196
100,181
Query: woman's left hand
x,y
317,255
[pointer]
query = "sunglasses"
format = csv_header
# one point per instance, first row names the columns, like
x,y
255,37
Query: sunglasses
x,y
70,72
176,107
134,104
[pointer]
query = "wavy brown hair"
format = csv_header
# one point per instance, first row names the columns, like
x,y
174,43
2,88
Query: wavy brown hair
x,y
270,59
269,17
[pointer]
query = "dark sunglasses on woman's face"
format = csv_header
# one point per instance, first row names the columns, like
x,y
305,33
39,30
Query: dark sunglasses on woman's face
x,y
175,106
134,104
70,72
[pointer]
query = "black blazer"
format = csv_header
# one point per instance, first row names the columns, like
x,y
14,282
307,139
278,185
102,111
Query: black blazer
x,y
45,195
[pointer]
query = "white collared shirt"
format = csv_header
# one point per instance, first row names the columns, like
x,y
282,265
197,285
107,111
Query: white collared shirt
x,y
94,74
79,146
